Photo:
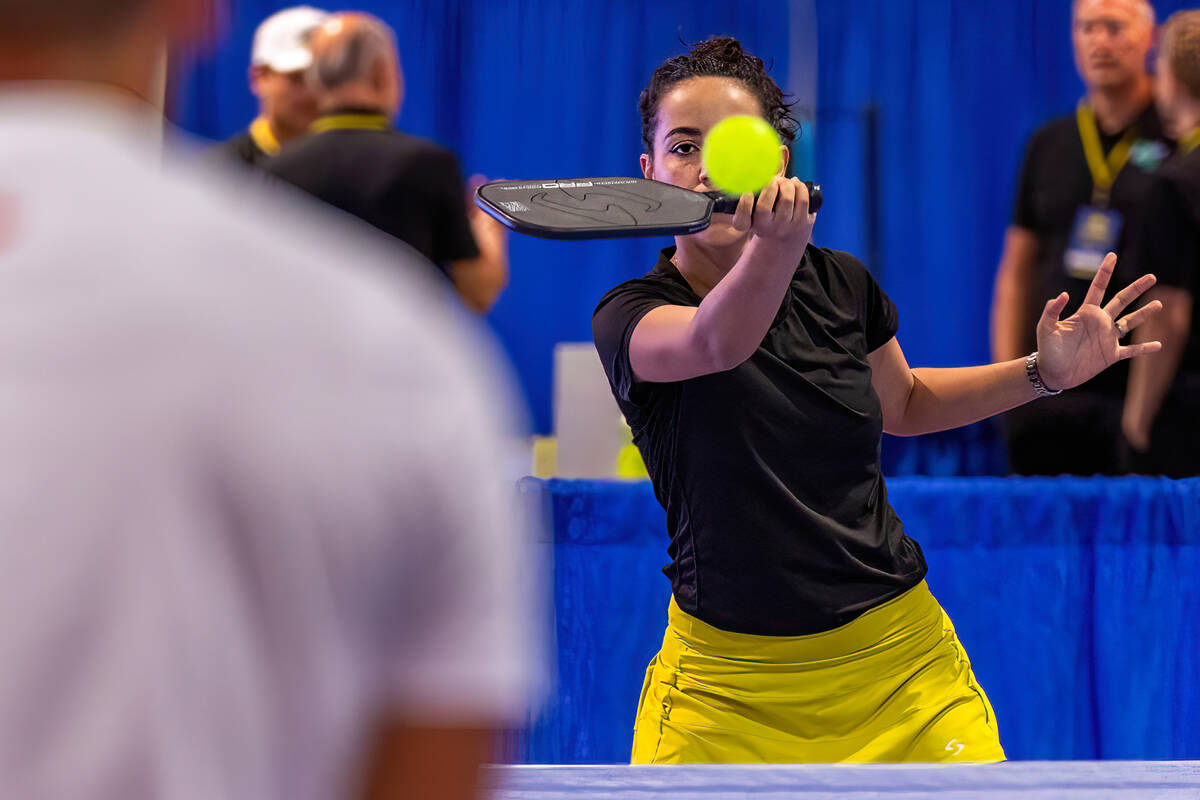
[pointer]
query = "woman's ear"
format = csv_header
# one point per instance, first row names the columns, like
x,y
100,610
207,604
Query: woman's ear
x,y
784,155
647,166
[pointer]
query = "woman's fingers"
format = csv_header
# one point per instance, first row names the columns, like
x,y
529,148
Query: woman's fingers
x,y
1095,292
766,203
1127,295
743,215
1135,350
1053,310
802,200
1131,321
782,211
785,203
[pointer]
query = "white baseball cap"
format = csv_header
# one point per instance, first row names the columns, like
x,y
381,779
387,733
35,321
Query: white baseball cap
x,y
280,43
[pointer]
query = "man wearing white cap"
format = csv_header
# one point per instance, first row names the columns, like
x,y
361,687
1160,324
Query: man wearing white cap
x,y
286,106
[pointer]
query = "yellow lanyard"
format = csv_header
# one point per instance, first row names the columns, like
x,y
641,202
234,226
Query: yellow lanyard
x,y
1190,142
360,122
264,137
1104,170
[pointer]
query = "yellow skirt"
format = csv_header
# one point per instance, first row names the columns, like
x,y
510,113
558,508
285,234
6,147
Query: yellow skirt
x,y
893,685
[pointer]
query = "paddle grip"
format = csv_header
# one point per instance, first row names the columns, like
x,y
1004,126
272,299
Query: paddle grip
x,y
727,204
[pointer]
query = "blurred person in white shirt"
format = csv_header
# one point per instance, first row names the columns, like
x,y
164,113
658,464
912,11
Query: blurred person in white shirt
x,y
258,536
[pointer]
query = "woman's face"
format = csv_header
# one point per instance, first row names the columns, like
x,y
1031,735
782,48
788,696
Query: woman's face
x,y
685,115
1167,96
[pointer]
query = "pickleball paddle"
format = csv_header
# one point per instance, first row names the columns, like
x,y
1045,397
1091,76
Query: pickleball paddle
x,y
606,208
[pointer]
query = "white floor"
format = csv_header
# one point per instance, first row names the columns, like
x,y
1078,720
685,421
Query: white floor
x,y
1041,780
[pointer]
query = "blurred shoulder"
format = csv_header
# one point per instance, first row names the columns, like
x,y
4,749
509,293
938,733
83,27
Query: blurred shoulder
x,y
838,268
1059,131
272,259
1175,189
1061,125
417,144
1183,169
239,148
421,154
824,258
663,283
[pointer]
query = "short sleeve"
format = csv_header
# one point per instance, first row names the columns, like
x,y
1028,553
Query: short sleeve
x,y
883,319
613,323
452,237
460,621
1024,214
1168,241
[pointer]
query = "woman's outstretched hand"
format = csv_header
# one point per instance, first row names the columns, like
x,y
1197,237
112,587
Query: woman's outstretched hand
x,y
1076,349
780,214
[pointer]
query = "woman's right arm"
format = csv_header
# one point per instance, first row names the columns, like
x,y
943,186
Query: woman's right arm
x,y
674,343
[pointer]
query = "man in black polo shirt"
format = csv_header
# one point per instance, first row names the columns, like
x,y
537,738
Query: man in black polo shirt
x,y
1161,422
286,105
408,187
1080,194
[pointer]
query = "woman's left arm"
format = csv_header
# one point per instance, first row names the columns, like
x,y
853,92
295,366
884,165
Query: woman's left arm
x,y
1070,352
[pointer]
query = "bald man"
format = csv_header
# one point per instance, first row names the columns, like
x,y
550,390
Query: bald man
x,y
407,187
257,541
1080,194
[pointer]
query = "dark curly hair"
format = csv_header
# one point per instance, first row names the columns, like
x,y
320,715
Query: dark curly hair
x,y
721,57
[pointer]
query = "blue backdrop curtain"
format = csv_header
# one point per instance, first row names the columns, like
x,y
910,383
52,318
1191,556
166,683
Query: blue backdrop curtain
x,y
941,96
923,109
534,88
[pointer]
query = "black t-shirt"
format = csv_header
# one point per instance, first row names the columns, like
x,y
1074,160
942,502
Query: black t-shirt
x,y
241,148
778,516
1168,243
405,186
1054,184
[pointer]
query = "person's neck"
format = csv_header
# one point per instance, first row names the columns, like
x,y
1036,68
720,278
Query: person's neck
x,y
132,63
1187,117
1117,107
702,265
282,132
356,97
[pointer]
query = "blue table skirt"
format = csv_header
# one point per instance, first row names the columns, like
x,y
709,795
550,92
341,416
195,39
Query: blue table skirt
x,y
1078,601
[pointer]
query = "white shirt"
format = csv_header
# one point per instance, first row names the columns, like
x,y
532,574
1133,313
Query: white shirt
x,y
253,484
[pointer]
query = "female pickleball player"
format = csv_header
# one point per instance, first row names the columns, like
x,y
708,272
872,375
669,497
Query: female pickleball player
x,y
758,373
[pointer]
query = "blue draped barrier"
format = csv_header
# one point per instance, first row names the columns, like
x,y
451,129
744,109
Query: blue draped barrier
x,y
1077,599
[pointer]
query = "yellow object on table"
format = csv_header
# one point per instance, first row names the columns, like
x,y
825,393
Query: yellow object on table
x,y
629,459
545,456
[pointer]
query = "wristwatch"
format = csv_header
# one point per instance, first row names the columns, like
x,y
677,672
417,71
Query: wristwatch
x,y
1035,377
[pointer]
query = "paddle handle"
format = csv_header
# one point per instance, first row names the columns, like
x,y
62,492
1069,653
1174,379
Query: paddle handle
x,y
726,204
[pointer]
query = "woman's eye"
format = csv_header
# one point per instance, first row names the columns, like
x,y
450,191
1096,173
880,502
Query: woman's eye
x,y
685,149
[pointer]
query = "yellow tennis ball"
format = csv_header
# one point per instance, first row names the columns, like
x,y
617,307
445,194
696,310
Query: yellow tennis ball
x,y
741,154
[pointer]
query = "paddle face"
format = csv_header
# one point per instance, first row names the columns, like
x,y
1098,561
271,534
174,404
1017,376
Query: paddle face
x,y
595,208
